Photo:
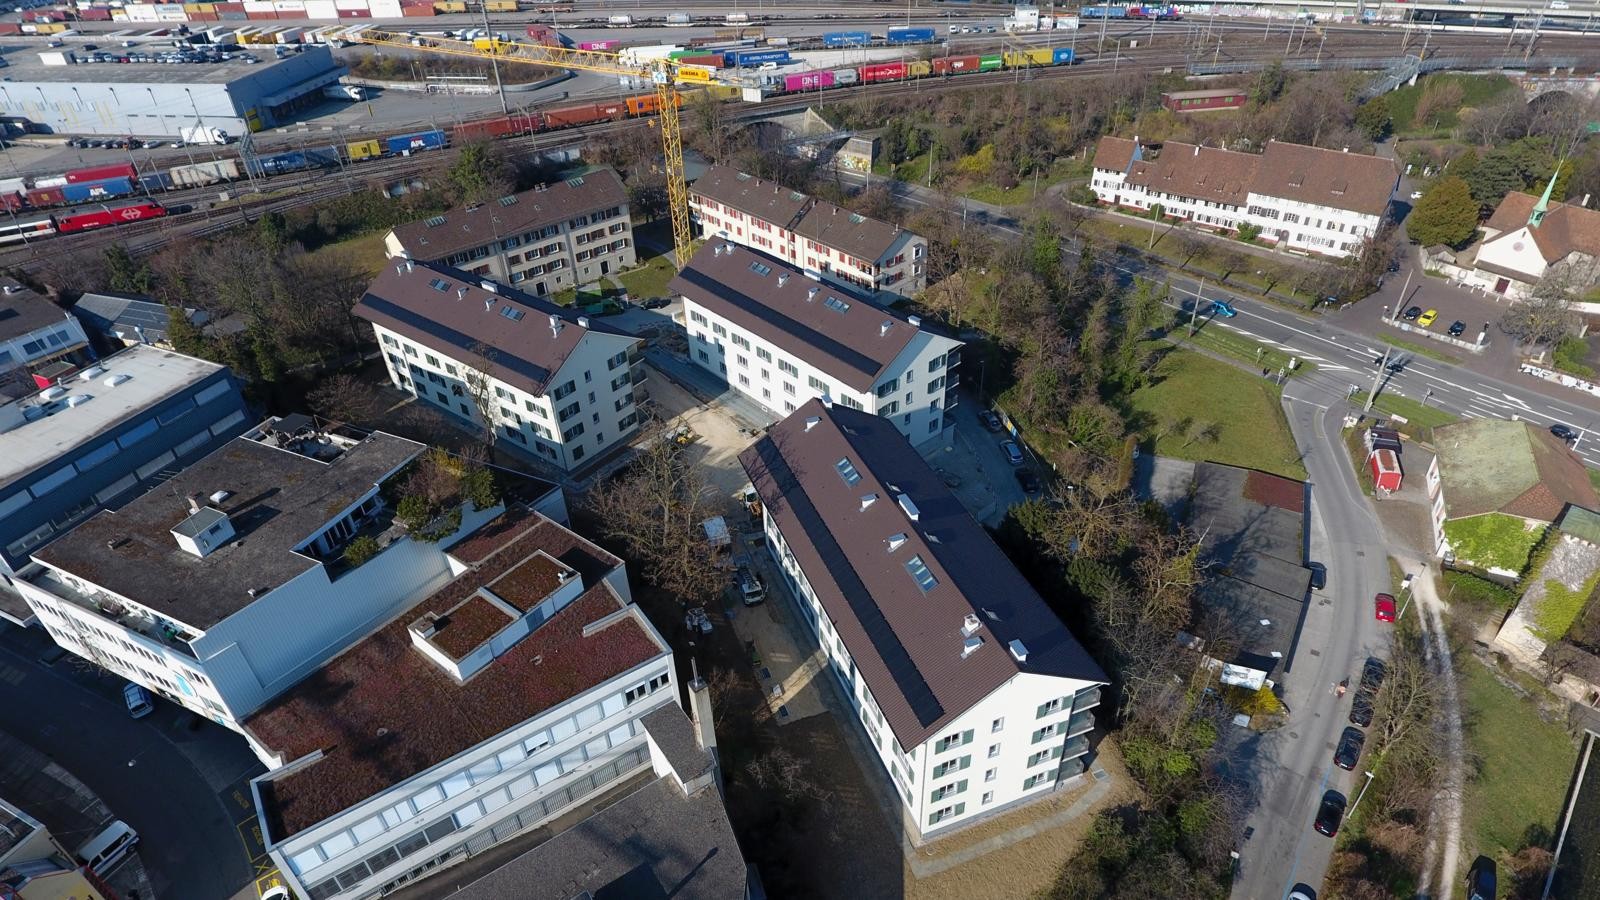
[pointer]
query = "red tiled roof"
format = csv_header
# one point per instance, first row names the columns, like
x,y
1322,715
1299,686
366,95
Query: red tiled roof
x,y
1114,154
1275,490
1206,173
1332,178
381,712
1565,229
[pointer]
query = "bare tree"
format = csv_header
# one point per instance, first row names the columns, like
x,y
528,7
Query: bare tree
x,y
342,397
1545,315
480,384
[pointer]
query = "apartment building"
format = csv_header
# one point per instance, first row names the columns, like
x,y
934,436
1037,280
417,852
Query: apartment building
x,y
35,865
973,694
824,240
498,702
555,236
1304,198
782,338
542,377
37,338
228,584
95,439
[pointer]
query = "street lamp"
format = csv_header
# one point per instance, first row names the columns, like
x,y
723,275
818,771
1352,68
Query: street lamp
x,y
1363,793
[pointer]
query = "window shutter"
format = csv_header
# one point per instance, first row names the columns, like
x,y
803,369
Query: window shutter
x,y
1044,710
965,761
960,808
961,787
966,736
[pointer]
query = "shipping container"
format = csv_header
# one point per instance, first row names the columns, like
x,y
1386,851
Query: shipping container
x,y
50,181
10,28
745,58
1061,56
359,150
906,35
97,190
47,196
613,110
1386,472
421,140
415,10
845,76
808,81
101,173
568,116
694,74
201,174
13,185
156,182
598,45
95,14
1104,12
708,60
67,224
989,62
296,161
894,71
449,6
919,68
955,65
1022,59
505,126
544,34
846,38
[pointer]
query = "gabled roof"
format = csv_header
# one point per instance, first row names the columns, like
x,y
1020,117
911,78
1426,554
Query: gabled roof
x,y
766,200
906,639
1517,468
129,316
837,330
860,236
1188,170
1341,180
448,309
1114,153
465,227
1566,228
23,312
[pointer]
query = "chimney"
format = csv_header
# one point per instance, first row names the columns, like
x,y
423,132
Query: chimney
x,y
461,293
970,646
970,625
1019,651
717,250
812,422
916,321
194,503
488,304
884,328
410,264
728,249
555,325
583,321
896,541
811,293
868,500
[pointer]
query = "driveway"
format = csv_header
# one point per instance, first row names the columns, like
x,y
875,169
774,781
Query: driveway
x,y
988,482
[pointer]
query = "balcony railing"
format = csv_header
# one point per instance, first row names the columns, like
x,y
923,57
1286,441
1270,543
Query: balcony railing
x,y
1072,768
1088,699
161,632
1080,723
1076,747
952,359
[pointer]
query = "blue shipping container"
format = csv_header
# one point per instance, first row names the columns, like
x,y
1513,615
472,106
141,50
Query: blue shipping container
x,y
904,35
1062,56
743,58
422,140
159,181
97,190
847,39
1104,12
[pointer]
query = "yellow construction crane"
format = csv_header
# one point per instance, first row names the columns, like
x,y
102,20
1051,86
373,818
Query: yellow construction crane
x,y
664,74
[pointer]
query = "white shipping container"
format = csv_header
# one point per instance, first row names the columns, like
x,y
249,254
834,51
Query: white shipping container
x,y
170,15
1066,23
321,9
289,5
386,9
641,55
141,12
290,35
351,4
259,6
12,185
52,181
57,58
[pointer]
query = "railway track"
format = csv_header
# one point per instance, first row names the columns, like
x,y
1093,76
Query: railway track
x,y
300,189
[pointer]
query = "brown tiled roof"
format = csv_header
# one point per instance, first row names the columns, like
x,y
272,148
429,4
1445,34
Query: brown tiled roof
x,y
1350,181
850,345
861,237
423,301
381,712
1114,154
1205,173
1565,229
906,641
466,227
1205,94
1275,490
766,200
24,311
1492,465
1512,213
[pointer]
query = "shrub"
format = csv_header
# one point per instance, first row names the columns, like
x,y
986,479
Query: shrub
x,y
1560,608
415,513
1569,357
478,485
1248,232
358,551
1469,588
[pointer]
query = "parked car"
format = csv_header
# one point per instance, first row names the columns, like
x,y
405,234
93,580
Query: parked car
x,y
1565,432
1413,313
1361,710
1028,481
657,303
1458,328
1372,675
1416,195
137,700
1427,318
1349,750
1012,451
1330,814
751,590
991,420
1319,575
1383,607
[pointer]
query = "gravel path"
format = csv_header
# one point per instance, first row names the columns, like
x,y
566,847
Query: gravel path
x,y
1444,825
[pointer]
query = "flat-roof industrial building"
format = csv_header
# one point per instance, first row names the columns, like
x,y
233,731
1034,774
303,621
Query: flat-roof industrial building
x,y
162,99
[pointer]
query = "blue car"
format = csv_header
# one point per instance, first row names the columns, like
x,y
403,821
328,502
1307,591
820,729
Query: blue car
x,y
1221,310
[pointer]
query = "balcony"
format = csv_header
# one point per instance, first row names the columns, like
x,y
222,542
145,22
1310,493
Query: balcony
x,y
1086,699
1075,747
952,359
157,630
1072,768
1080,723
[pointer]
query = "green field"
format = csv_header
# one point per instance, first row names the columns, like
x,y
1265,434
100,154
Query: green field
x,y
1492,541
1475,91
1419,349
649,279
1212,336
1244,410
1525,766
365,253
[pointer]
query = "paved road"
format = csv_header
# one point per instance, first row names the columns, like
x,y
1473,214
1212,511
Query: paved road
x,y
188,833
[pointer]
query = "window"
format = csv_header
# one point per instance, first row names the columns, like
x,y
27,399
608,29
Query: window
x,y
952,741
1045,732
574,431
615,361
1054,706
1033,781
763,355
991,774
949,790
837,305
847,471
925,580
698,318
562,391
994,751
740,341
947,812
567,412
816,383
953,765
997,724
788,368
1043,755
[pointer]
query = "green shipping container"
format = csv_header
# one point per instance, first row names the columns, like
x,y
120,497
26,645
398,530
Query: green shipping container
x,y
989,63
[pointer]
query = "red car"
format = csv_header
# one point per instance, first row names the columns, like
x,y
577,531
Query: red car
x,y
1384,607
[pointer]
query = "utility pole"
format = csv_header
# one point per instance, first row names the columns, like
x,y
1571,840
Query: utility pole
x,y
1377,379
494,56
1400,302
1194,313
1363,793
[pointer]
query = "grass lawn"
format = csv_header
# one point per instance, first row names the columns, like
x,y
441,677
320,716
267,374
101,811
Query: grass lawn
x,y
1419,349
649,279
1246,408
1526,764
1475,91
364,253
1419,419
1594,478
1492,541
1214,337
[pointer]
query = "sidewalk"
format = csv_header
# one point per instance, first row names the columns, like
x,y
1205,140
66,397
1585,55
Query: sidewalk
x,y
65,806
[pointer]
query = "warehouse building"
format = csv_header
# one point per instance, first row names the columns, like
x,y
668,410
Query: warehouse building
x,y
153,99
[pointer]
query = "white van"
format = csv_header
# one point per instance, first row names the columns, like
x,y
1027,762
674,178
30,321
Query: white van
x,y
105,850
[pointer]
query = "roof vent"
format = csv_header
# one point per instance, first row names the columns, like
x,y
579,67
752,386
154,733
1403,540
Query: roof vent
x,y
812,422
92,373
728,249
555,324
488,304
970,625
810,293
896,541
52,392
117,379
489,286
868,500
783,278
909,507
461,293
717,250
79,399
884,328
410,264
1019,651
219,496
916,321
970,646
583,321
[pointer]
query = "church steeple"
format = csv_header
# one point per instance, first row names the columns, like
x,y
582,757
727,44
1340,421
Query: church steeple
x,y
1543,206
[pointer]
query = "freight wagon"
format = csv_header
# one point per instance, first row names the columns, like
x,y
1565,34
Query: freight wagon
x,y
84,191
808,81
298,161
421,140
875,72
360,150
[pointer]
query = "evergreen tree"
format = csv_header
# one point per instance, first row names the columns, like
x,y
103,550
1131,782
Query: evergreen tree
x,y
1446,214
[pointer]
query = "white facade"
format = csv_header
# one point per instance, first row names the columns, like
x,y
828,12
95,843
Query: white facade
x,y
913,391
50,340
589,408
1024,740
504,786
1517,261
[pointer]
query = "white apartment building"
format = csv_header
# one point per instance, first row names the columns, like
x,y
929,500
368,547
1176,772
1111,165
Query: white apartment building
x,y
781,338
824,240
974,695
227,585
1305,198
34,334
496,703
543,377
554,236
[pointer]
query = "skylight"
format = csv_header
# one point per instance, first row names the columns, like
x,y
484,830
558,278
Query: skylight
x,y
847,471
575,182
837,305
508,201
761,269
919,571
434,222
857,218
512,313
439,284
